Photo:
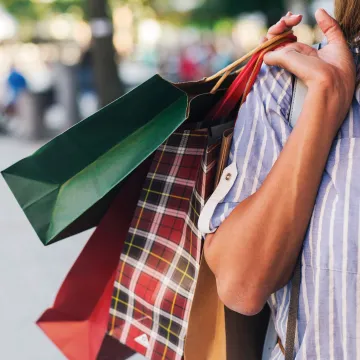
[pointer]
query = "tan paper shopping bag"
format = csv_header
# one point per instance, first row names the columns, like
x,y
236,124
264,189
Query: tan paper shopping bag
x,y
218,333
205,338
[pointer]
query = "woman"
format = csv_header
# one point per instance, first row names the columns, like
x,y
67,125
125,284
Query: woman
x,y
287,190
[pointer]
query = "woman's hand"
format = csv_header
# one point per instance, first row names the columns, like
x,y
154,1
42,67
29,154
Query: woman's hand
x,y
286,23
330,70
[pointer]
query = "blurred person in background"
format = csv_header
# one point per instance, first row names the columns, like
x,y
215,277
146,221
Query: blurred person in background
x,y
219,59
16,84
189,66
86,82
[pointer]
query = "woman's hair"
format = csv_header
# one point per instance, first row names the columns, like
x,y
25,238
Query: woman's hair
x,y
347,13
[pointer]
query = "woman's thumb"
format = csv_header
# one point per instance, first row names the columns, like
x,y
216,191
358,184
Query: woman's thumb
x,y
329,27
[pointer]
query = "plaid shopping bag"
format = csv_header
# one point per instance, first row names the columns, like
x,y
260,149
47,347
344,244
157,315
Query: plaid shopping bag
x,y
159,263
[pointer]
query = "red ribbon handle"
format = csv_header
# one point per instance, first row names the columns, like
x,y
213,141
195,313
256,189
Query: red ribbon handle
x,y
243,83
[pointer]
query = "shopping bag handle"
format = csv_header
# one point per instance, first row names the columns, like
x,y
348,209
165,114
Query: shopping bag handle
x,y
232,67
271,46
243,83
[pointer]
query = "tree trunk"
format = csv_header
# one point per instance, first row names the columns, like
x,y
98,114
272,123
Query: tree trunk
x,y
108,84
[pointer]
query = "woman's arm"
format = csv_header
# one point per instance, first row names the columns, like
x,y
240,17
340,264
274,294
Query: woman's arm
x,y
254,251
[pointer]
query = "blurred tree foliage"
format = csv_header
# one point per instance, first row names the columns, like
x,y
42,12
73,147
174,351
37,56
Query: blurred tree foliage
x,y
213,10
37,10
207,14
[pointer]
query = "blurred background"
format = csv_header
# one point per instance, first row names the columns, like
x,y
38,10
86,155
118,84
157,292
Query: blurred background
x,y
63,59
60,61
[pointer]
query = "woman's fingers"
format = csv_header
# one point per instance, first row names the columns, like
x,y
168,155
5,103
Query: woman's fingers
x,y
279,57
330,27
293,58
284,24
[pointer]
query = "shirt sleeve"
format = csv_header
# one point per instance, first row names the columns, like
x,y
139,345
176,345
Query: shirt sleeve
x,y
260,133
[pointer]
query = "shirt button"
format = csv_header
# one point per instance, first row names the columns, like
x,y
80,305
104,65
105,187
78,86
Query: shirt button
x,y
228,176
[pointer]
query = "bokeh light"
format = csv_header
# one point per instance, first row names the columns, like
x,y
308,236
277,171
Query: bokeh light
x,y
149,32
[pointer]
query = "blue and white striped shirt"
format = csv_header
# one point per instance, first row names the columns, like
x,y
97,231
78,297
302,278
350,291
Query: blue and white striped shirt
x,y
328,324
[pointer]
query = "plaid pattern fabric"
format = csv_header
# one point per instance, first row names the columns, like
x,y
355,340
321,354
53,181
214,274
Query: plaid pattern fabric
x,y
156,276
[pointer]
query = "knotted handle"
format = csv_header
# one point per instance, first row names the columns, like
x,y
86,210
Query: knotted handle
x,y
232,67
243,83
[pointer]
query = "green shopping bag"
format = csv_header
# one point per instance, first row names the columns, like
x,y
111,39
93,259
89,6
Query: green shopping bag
x,y
67,185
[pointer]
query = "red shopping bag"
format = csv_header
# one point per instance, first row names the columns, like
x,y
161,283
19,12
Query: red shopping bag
x,y
77,322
